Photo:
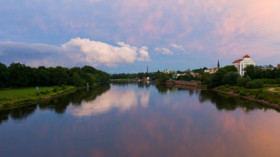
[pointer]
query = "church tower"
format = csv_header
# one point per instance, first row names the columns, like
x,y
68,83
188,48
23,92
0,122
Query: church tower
x,y
218,66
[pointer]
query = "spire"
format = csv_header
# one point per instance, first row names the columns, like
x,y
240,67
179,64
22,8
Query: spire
x,y
218,66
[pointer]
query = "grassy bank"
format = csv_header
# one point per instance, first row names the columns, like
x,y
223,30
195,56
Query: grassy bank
x,y
22,95
270,93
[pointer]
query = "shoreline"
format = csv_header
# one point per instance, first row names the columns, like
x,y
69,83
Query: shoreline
x,y
260,101
30,102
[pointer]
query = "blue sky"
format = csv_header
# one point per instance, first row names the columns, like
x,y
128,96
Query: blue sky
x,y
129,35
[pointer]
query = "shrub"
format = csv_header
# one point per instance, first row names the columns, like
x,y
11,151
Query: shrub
x,y
55,89
45,92
242,93
254,84
242,81
63,87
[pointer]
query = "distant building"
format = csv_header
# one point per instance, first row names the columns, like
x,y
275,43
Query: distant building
x,y
169,71
278,66
241,64
213,70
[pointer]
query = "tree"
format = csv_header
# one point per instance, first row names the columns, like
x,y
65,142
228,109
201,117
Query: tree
x,y
44,77
252,71
217,77
242,81
230,78
3,75
17,75
230,68
76,80
161,77
89,69
59,76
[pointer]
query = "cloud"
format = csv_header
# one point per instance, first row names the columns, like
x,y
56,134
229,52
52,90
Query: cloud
x,y
214,28
100,53
180,47
164,51
75,52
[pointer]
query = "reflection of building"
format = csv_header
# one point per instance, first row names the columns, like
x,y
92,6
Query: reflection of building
x,y
241,64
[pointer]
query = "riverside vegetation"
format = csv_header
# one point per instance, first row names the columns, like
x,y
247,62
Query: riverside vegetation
x,y
18,82
257,83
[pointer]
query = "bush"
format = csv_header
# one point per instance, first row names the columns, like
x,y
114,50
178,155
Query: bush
x,y
63,87
254,84
230,78
242,93
45,92
55,89
242,81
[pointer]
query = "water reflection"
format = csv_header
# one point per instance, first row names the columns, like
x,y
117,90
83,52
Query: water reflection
x,y
59,104
229,103
121,99
141,120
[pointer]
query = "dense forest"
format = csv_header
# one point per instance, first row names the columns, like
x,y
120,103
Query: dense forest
x,y
20,75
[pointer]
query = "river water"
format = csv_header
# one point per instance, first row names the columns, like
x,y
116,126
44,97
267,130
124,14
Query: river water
x,y
141,120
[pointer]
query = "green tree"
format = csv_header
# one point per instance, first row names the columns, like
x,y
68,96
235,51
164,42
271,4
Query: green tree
x,y
217,77
230,68
161,77
59,76
242,81
230,78
3,75
17,75
89,69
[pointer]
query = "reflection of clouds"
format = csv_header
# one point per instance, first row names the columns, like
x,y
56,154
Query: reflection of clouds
x,y
144,98
122,100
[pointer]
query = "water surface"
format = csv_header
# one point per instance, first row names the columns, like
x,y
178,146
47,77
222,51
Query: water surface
x,y
141,120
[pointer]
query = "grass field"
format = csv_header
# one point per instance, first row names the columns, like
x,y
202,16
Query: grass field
x,y
17,95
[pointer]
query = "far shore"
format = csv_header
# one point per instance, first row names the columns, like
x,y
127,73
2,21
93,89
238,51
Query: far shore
x,y
191,85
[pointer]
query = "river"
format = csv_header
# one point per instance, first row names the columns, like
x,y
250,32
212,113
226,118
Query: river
x,y
131,120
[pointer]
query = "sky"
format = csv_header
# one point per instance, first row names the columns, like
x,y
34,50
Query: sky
x,y
126,36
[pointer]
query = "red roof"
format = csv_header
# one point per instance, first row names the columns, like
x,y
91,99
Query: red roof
x,y
246,56
238,60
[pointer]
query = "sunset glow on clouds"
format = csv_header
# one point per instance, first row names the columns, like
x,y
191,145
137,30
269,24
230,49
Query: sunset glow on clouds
x,y
190,29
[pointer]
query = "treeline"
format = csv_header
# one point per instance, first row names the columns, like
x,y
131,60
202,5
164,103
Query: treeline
x,y
20,75
133,75
254,77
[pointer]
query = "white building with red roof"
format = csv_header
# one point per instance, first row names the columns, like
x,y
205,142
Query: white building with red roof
x,y
241,64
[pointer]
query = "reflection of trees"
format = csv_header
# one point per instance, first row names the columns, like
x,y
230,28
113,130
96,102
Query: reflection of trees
x,y
58,104
226,102
165,89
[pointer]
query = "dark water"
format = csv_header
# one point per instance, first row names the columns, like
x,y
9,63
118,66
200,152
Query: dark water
x,y
141,120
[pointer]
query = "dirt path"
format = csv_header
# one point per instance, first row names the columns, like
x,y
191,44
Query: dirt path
x,y
271,89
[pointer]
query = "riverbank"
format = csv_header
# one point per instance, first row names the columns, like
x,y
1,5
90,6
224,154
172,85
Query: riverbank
x,y
12,97
267,96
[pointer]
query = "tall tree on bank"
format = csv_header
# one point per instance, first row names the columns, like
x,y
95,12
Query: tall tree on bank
x,y
3,75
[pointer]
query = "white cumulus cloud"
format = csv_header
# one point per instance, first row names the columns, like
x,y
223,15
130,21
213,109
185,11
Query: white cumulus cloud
x,y
164,51
75,52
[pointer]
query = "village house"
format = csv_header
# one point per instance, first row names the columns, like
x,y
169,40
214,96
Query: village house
x,y
213,70
241,64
